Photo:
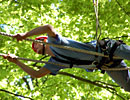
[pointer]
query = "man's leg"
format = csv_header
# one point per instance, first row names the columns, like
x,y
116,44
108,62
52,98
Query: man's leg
x,y
121,77
123,51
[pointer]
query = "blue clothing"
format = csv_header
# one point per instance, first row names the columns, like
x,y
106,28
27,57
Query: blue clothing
x,y
120,77
68,42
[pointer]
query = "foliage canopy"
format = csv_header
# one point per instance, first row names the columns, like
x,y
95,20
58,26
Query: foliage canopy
x,y
71,18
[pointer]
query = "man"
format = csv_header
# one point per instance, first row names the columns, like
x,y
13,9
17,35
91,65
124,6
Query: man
x,y
59,55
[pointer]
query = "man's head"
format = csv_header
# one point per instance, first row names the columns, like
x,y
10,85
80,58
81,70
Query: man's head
x,y
39,47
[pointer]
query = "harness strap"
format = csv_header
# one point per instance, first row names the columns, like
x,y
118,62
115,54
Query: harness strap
x,y
71,61
116,44
45,56
102,62
103,45
63,61
105,61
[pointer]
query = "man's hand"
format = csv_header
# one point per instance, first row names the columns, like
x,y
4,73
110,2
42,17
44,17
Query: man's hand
x,y
11,58
37,31
19,37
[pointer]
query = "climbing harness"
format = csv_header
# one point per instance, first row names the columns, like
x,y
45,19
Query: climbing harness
x,y
108,62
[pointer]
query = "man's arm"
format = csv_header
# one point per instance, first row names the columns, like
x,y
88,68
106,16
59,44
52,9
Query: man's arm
x,y
37,31
36,74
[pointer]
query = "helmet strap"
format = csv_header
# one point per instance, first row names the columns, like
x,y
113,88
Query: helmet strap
x,y
43,51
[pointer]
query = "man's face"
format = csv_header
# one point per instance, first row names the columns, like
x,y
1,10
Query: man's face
x,y
38,47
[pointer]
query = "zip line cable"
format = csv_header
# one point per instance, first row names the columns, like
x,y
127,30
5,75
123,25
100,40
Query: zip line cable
x,y
65,47
46,62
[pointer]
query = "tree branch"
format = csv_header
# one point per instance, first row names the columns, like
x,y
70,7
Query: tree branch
x,y
25,80
105,86
84,80
15,94
106,83
43,81
122,8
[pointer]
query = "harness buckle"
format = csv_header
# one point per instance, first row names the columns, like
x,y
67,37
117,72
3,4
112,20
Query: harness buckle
x,y
94,63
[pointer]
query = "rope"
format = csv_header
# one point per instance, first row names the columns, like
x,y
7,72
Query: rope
x,y
89,67
65,47
96,13
97,20
38,61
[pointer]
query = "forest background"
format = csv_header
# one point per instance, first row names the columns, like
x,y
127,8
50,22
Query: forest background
x,y
73,19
